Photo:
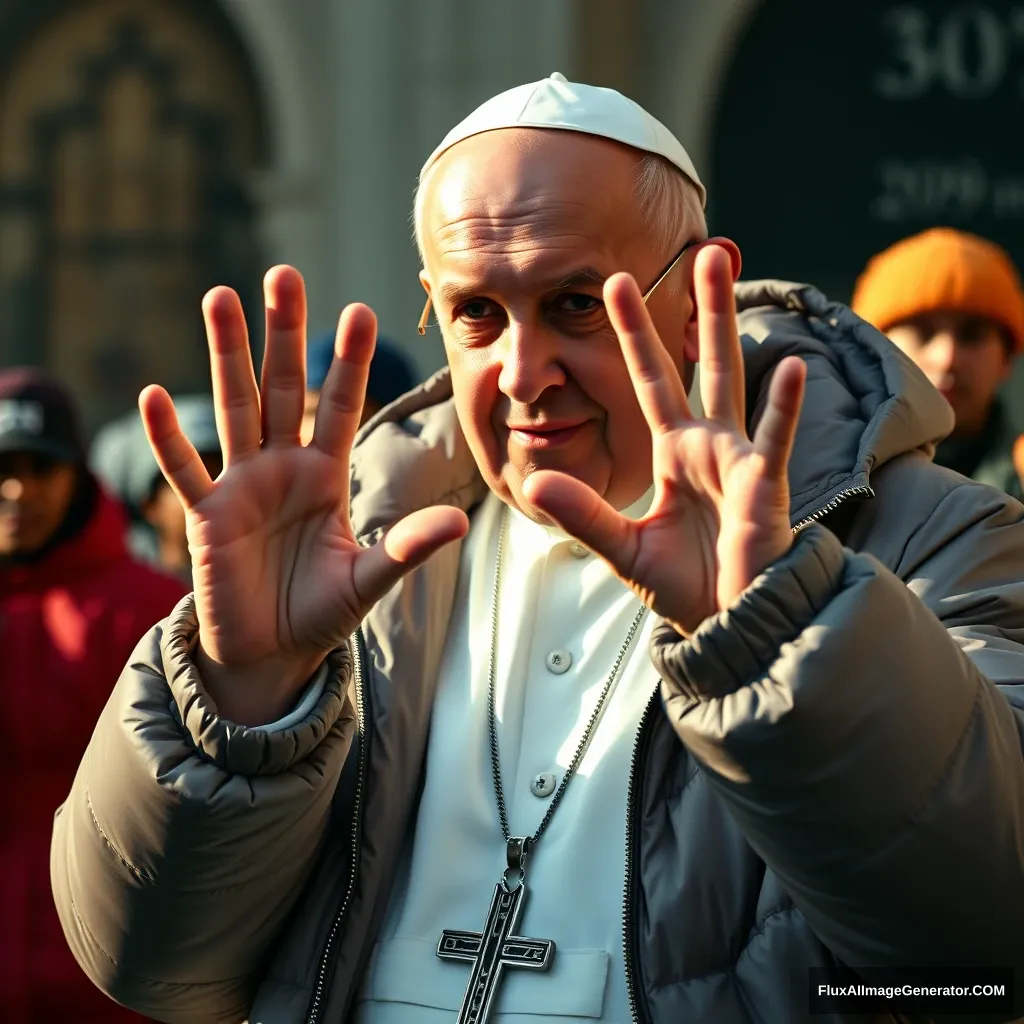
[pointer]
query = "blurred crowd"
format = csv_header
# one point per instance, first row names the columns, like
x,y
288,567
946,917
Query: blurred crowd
x,y
93,550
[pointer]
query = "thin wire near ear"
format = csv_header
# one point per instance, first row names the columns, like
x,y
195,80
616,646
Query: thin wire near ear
x,y
668,270
422,328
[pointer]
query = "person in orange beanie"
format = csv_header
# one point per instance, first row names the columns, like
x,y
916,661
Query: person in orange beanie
x,y
954,303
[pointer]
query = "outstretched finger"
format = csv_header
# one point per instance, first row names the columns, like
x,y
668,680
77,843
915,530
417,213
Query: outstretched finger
x,y
236,401
773,439
659,388
178,460
581,512
283,380
722,383
341,399
407,545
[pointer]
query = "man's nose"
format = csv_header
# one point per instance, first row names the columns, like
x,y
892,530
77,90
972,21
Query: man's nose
x,y
529,363
942,352
11,488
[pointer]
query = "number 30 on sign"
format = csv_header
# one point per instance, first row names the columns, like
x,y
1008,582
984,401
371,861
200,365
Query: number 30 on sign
x,y
970,51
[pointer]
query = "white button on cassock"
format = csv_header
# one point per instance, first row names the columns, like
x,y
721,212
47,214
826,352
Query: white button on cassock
x,y
578,550
543,784
558,662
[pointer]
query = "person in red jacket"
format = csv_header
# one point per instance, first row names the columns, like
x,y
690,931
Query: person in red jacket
x,y
73,605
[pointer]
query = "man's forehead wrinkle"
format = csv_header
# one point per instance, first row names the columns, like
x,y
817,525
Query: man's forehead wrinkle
x,y
511,234
544,212
491,212
493,195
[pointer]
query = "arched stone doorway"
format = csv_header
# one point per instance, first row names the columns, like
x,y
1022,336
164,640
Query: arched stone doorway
x,y
130,131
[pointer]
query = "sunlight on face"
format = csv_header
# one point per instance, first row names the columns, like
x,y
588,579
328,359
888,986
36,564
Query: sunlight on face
x,y
521,229
967,358
35,496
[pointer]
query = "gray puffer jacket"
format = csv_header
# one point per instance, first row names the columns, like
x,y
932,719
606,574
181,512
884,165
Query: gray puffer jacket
x,y
831,775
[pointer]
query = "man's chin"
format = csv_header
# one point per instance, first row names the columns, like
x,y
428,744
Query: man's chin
x,y
586,475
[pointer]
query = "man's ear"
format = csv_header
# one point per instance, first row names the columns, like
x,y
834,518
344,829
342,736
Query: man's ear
x,y
691,348
735,257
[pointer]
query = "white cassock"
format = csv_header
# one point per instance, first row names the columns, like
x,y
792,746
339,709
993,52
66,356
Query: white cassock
x,y
563,618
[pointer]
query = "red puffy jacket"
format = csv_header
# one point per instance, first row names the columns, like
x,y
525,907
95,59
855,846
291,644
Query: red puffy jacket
x,y
68,625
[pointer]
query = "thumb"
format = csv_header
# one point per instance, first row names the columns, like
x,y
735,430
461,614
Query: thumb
x,y
407,545
578,510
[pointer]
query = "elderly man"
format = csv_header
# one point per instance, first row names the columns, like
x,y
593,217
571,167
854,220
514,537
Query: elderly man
x,y
405,758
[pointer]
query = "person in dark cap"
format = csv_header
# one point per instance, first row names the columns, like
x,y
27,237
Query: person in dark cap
x,y
43,497
391,375
73,605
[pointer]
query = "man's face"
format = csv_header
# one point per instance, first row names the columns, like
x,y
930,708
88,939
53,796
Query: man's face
x,y
35,494
966,357
521,228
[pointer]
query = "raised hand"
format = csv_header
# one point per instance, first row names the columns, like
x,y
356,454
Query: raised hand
x,y
279,577
720,514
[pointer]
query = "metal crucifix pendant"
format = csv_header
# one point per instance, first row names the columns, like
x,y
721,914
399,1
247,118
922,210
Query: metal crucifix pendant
x,y
496,948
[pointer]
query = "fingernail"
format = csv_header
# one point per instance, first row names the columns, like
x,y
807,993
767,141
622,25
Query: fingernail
x,y
626,303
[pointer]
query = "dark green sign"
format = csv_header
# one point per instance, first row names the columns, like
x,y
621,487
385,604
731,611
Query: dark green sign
x,y
844,125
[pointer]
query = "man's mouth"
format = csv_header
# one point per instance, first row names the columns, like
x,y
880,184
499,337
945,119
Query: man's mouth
x,y
547,435
12,517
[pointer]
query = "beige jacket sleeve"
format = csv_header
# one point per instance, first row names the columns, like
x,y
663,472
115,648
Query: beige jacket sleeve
x,y
186,840
865,728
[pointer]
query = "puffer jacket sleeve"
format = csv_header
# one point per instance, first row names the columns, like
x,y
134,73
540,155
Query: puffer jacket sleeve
x,y
186,839
865,729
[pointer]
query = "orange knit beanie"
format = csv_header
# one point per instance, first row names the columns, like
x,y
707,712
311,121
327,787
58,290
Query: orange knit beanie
x,y
941,269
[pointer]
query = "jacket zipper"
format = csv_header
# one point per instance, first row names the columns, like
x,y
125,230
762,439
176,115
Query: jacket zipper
x,y
629,939
853,492
316,1004
628,917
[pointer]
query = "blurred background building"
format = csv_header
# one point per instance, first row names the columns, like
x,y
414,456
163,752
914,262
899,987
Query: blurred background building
x,y
152,148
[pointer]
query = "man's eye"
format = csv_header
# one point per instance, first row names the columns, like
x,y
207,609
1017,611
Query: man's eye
x,y
576,302
974,332
477,309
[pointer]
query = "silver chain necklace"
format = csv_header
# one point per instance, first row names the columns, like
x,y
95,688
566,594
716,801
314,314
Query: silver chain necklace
x,y
497,947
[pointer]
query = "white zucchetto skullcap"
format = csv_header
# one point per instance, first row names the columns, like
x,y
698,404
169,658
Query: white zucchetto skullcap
x,y
555,102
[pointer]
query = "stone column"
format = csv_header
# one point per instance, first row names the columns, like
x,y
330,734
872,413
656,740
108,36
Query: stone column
x,y
292,58
407,71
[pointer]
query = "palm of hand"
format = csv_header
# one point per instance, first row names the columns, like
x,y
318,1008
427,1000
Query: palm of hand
x,y
273,558
716,521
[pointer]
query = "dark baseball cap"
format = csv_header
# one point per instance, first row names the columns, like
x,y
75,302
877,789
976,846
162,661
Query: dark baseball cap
x,y
38,414
391,373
